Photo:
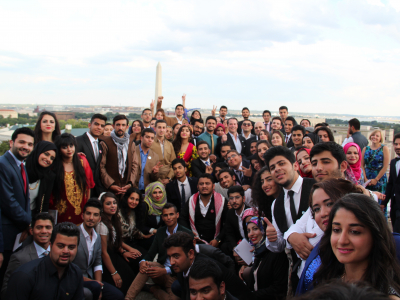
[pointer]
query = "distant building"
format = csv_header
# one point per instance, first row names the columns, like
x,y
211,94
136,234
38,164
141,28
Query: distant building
x,y
9,113
64,115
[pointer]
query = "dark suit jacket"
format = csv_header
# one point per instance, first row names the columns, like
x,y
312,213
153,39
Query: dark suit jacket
x,y
240,126
217,255
393,190
246,180
248,144
290,142
230,142
14,205
174,193
17,259
198,167
85,146
232,231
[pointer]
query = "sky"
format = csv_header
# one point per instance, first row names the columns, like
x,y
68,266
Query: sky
x,y
315,56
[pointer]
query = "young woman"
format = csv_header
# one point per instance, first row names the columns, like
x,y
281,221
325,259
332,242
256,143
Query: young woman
x,y
264,191
310,139
219,130
264,135
358,245
120,261
196,115
107,129
176,128
225,123
267,276
74,179
324,134
168,134
184,148
136,128
41,177
303,159
375,161
277,138
160,114
354,173
262,147
47,127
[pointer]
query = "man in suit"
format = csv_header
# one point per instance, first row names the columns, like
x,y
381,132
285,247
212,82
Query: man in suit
x,y
297,134
393,187
159,271
118,166
247,129
208,135
88,143
148,160
179,110
277,124
182,254
42,227
283,113
242,168
289,123
245,115
202,164
88,257
182,187
236,141
165,152
267,120
14,191
227,179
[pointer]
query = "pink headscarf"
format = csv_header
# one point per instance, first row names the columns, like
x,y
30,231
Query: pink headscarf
x,y
219,125
356,168
302,174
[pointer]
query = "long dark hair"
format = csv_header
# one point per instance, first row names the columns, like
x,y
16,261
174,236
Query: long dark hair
x,y
260,199
193,119
177,143
63,140
123,203
114,222
260,161
38,129
383,269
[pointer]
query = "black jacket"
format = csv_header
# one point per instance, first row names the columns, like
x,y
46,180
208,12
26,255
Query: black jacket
x,y
393,190
240,126
248,144
245,180
217,255
174,193
232,231
230,142
198,168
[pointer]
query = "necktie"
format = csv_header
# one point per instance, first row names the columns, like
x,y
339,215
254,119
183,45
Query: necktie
x,y
240,176
292,207
183,196
45,253
23,174
96,150
286,140
207,163
212,144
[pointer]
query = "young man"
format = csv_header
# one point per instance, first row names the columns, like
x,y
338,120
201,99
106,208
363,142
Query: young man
x,y
245,115
89,144
234,231
267,120
182,187
298,132
148,160
165,152
205,282
225,148
393,187
88,257
54,276
247,129
204,213
305,123
202,164
208,135
276,123
182,254
283,113
236,141
119,164
242,168
227,179
153,124
159,271
198,127
179,110
223,111
354,135
147,116
14,191
289,123
42,227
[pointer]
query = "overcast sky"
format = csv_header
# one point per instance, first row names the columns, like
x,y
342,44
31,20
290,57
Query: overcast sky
x,y
313,56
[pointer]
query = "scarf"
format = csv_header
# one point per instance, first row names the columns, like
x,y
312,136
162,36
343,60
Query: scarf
x,y
355,168
314,137
34,170
260,246
122,147
302,174
219,202
219,125
155,208
188,153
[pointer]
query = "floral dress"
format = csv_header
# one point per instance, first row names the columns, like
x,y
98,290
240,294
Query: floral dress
x,y
373,165
188,156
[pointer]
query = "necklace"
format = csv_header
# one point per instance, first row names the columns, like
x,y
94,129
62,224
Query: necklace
x,y
343,276
37,183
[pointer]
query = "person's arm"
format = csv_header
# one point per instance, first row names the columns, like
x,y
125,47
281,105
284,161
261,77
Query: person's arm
x,y
363,163
279,244
135,166
16,290
184,215
97,265
105,178
108,263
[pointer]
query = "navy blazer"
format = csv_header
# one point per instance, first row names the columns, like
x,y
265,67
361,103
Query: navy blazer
x,y
14,205
230,142
174,193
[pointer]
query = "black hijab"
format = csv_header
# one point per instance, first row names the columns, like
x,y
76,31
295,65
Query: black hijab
x,y
314,137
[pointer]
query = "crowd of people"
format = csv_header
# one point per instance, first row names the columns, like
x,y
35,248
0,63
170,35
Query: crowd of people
x,y
160,204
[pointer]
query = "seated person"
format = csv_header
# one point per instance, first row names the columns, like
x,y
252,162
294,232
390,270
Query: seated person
x,y
205,212
202,164
242,168
227,179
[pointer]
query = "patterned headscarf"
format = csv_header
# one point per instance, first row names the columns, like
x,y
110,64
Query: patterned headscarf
x,y
250,212
261,225
155,207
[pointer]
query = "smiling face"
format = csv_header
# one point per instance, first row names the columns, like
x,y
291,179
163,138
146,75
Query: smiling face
x,y
376,137
133,200
258,126
325,166
67,151
168,133
351,240
261,149
288,126
198,128
185,133
196,115
176,129
234,160
263,136
323,135
352,155
226,180
254,233
110,206
159,115
91,217
305,123
276,124
157,194
46,158
170,216
42,232
107,130
203,151
268,184
253,147
282,171
276,139
232,126
297,138
321,208
247,126
307,142
48,124
22,146
396,146
303,159
220,131
136,128
210,125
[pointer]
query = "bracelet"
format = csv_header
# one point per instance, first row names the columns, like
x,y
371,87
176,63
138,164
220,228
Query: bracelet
x,y
114,273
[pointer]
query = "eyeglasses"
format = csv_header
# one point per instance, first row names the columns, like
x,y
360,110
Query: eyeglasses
x,y
232,156
198,127
235,198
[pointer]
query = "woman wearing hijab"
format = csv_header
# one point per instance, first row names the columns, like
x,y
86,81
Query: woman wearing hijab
x,y
41,177
354,173
219,130
303,159
267,277
310,139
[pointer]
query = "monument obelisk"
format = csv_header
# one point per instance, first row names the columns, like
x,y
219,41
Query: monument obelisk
x,y
158,85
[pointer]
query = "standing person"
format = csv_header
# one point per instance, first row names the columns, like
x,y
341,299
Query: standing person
x,y
354,172
264,135
88,257
236,141
52,276
289,123
169,134
136,129
219,129
184,148
195,115
277,124
375,161
198,128
267,120
354,135
89,144
165,152
119,165
14,190
298,133
160,114
175,129
223,111
153,124
147,116
107,129
179,111
41,177
47,127
393,186
208,135
283,113
247,129
324,134
258,126
202,164
277,138
245,115
74,179
310,139
305,123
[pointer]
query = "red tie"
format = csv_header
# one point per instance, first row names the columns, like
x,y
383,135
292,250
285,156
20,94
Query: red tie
x,y
23,176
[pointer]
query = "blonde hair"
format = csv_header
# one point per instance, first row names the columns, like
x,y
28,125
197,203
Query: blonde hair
x,y
375,131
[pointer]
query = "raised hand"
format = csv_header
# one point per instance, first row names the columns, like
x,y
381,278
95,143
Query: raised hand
x,y
213,110
271,233
224,138
157,167
209,169
160,99
184,100
152,105
246,172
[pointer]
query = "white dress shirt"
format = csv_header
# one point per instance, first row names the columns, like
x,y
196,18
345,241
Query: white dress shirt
x,y
41,251
204,209
241,222
249,136
287,137
188,191
206,161
90,245
179,121
95,143
238,144
167,263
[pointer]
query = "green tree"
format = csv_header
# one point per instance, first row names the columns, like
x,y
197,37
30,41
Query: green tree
x,y
4,146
